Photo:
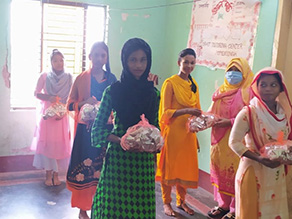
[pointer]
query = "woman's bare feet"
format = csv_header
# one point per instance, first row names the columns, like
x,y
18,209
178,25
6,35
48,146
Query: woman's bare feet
x,y
83,215
186,208
49,178
56,180
168,210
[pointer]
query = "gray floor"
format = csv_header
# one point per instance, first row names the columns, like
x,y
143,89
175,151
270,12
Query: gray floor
x,y
31,199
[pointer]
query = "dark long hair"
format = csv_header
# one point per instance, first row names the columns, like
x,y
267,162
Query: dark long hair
x,y
102,45
183,53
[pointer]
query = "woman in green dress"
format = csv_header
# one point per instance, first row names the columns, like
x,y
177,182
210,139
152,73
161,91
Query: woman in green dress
x,y
126,186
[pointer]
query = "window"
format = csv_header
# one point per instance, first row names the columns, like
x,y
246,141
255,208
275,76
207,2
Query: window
x,y
39,27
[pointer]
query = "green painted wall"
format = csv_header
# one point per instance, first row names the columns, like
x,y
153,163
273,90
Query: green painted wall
x,y
177,30
166,29
145,19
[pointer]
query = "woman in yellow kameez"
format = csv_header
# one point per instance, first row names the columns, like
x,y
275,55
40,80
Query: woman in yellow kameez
x,y
178,160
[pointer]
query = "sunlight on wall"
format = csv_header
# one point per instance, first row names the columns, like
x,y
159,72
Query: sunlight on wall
x,y
96,19
25,28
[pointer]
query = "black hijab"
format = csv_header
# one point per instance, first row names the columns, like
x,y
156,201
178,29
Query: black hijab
x,y
131,97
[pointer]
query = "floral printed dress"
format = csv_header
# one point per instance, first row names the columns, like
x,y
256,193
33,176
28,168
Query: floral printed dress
x,y
271,192
126,188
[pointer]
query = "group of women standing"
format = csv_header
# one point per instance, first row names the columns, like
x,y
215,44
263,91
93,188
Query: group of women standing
x,y
252,110
114,182
52,139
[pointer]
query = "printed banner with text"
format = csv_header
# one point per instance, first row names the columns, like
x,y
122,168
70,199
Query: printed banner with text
x,y
222,30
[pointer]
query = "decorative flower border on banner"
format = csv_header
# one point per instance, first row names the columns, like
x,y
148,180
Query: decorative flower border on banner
x,y
221,30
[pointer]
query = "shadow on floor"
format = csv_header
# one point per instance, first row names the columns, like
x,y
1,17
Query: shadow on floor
x,y
33,200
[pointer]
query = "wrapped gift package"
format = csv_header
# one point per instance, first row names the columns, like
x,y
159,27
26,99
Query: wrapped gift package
x,y
143,137
277,150
56,110
200,123
88,112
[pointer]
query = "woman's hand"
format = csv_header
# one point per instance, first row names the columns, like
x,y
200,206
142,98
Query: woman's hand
x,y
187,111
222,122
194,111
115,139
154,78
52,99
91,100
125,147
59,117
135,150
198,145
268,162
286,162
129,149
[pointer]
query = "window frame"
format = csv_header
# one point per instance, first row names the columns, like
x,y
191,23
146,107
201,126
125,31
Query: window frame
x,y
30,106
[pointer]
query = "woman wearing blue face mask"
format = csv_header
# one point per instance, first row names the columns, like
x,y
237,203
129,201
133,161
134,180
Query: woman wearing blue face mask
x,y
227,101
233,76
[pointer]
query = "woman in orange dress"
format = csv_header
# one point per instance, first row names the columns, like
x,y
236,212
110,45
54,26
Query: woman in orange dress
x,y
178,160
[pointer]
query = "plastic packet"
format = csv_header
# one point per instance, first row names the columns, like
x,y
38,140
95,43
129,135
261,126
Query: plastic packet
x,y
275,151
88,112
56,110
142,137
202,122
279,149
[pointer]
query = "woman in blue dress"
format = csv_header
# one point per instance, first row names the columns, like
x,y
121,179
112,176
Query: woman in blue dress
x,y
86,161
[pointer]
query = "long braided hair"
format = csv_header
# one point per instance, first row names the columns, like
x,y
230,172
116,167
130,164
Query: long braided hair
x,y
183,53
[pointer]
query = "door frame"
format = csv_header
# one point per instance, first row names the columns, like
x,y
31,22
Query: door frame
x,y
282,48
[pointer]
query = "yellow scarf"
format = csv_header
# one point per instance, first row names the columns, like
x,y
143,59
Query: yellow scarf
x,y
182,92
247,77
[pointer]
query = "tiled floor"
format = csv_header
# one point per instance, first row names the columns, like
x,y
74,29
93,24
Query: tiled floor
x,y
23,195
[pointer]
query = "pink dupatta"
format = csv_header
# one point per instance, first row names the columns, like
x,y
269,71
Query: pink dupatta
x,y
266,130
229,99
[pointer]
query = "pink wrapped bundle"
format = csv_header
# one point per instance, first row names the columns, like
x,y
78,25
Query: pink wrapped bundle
x,y
206,120
88,112
142,137
56,110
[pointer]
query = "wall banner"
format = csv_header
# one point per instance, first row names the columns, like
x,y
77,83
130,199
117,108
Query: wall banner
x,y
223,29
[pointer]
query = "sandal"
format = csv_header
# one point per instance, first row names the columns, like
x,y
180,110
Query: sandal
x,y
186,208
168,210
229,216
217,212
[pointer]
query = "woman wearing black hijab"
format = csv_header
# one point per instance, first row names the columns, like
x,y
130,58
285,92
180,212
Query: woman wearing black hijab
x,y
126,188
